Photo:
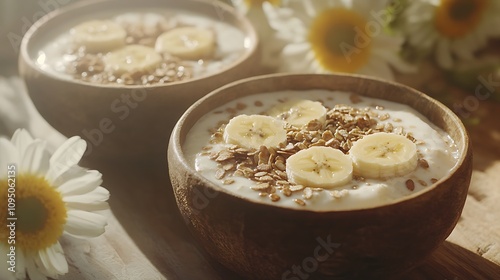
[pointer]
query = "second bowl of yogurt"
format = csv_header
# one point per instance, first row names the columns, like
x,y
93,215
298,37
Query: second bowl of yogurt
x,y
120,73
319,175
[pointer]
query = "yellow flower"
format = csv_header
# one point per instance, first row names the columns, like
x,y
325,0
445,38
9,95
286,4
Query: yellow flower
x,y
42,197
332,36
457,18
337,36
454,29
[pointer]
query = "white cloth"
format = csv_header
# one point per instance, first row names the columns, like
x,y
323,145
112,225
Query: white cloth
x,y
17,111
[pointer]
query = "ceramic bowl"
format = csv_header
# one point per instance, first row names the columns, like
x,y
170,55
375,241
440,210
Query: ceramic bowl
x,y
261,241
123,121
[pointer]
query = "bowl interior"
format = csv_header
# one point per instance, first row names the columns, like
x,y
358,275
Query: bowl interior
x,y
436,112
49,28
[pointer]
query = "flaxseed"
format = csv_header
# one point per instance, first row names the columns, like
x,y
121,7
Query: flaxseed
x,y
423,163
410,185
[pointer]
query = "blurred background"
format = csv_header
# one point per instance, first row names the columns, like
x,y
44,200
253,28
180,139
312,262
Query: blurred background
x,y
16,17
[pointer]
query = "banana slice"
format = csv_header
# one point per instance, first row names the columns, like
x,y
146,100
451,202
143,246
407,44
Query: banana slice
x,y
190,43
253,131
383,155
131,59
299,112
319,167
99,35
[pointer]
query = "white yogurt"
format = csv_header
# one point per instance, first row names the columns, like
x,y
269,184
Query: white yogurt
x,y
231,41
437,148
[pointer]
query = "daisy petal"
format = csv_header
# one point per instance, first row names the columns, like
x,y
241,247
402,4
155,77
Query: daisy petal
x,y
53,260
314,66
395,61
295,58
241,6
312,8
283,20
85,183
21,139
90,206
295,51
92,201
8,156
65,157
20,265
35,158
84,224
33,271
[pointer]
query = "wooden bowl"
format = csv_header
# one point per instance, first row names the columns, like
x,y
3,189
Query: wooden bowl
x,y
262,241
114,127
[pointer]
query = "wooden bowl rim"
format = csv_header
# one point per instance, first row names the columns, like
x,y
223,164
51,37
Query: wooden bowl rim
x,y
180,129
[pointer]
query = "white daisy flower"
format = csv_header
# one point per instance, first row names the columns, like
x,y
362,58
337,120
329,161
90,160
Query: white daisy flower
x,y
50,195
269,45
244,6
454,29
337,36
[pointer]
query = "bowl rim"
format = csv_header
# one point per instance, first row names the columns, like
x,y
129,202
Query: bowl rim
x,y
175,146
248,30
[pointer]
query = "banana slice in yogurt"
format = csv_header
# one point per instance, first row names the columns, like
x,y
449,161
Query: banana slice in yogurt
x,y
383,155
253,131
299,112
131,59
98,35
190,43
319,167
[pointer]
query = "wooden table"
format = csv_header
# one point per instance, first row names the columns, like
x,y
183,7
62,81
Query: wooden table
x,y
146,237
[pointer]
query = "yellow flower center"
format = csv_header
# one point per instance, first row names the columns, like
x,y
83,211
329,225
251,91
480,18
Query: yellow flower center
x,y
38,210
456,18
258,3
339,40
